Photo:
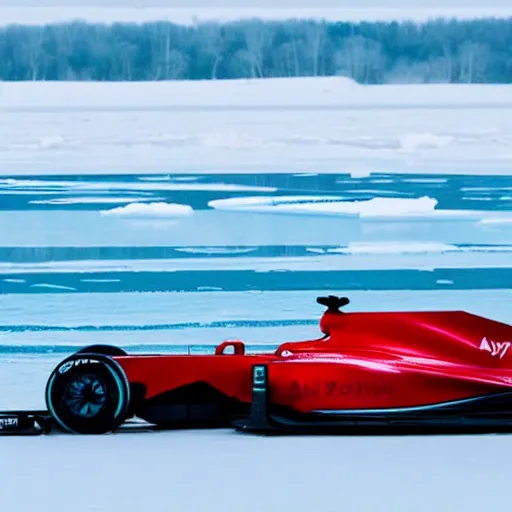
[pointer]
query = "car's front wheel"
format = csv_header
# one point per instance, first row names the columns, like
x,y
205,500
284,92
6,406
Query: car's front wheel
x,y
88,394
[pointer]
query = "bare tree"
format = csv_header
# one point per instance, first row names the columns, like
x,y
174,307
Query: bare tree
x,y
359,58
216,42
316,35
257,40
32,52
440,51
473,59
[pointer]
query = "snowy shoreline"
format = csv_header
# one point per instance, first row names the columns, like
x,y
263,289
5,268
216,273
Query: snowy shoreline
x,y
287,125
246,94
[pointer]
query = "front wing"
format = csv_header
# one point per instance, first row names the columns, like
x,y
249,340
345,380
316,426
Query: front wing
x,y
25,423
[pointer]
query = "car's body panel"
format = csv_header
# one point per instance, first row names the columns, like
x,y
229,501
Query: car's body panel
x,y
366,360
376,370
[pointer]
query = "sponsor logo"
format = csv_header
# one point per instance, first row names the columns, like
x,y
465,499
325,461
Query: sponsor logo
x,y
330,388
495,348
6,423
77,362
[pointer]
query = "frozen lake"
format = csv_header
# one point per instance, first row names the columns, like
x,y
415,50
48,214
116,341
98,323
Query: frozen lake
x,y
162,261
212,257
398,207
239,254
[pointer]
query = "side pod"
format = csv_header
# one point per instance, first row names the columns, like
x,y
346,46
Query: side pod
x,y
267,420
485,414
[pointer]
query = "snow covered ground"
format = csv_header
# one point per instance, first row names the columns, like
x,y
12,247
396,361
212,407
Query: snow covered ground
x,y
226,472
317,125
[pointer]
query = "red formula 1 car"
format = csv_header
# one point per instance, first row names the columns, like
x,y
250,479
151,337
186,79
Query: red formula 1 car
x,y
371,372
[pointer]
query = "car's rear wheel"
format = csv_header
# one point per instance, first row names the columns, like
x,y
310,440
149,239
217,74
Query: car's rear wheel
x,y
88,394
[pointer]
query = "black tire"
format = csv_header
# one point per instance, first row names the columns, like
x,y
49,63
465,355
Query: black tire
x,y
88,394
105,350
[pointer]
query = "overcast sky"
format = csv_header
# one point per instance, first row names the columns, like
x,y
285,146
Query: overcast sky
x,y
186,11
409,4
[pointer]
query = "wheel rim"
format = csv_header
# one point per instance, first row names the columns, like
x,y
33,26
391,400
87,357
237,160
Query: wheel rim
x,y
85,396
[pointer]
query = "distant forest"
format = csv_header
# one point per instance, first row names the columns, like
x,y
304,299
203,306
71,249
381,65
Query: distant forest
x,y
440,51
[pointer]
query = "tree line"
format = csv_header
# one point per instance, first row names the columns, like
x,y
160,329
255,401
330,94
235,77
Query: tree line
x,y
437,51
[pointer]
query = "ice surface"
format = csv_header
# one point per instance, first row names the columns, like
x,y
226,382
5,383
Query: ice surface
x,y
182,307
221,471
356,256
152,210
299,93
162,322
216,250
497,220
378,207
398,248
143,185
92,200
412,142
299,125
52,286
221,228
